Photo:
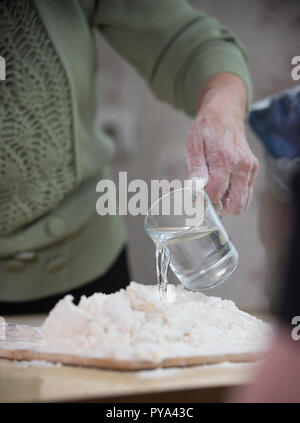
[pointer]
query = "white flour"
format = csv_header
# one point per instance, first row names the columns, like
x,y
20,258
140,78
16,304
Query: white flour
x,y
36,363
134,324
169,372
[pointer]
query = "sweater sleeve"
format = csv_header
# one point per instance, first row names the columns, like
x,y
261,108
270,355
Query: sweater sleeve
x,y
174,47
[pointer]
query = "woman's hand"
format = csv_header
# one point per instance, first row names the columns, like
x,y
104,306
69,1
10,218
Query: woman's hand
x,y
216,147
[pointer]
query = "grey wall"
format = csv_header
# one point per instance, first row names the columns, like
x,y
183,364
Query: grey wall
x,y
270,30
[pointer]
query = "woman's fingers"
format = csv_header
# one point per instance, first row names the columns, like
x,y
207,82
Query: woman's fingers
x,y
237,196
253,175
219,164
218,153
196,160
218,184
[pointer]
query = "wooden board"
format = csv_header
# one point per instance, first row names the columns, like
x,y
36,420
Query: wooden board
x,y
109,363
40,381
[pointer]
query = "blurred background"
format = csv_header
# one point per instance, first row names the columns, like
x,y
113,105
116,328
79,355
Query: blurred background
x,y
150,135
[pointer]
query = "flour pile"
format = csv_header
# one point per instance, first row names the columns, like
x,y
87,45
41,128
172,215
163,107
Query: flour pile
x,y
133,324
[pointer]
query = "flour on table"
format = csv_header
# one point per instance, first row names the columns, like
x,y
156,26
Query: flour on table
x,y
36,363
162,372
133,324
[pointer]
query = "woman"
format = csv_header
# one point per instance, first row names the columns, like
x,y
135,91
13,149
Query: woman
x,y
52,155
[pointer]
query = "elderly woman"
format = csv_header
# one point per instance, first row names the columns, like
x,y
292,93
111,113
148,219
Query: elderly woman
x,y
51,154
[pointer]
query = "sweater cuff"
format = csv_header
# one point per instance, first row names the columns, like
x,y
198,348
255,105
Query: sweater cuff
x,y
208,62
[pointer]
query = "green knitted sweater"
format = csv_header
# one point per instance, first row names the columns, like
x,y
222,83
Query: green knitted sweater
x,y
51,152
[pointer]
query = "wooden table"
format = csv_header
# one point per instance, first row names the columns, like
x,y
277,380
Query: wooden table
x,y
21,381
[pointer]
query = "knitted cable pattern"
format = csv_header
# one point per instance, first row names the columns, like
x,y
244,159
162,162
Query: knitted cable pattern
x,y
37,158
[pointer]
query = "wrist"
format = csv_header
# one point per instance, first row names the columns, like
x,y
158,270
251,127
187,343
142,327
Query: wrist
x,y
225,93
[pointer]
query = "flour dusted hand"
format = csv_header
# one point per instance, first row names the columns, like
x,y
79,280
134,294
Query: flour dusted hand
x,y
216,147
